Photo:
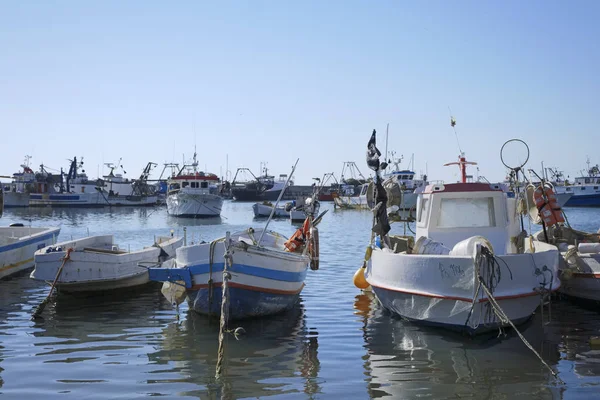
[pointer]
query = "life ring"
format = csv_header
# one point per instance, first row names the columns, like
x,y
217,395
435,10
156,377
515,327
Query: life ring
x,y
547,205
313,248
295,244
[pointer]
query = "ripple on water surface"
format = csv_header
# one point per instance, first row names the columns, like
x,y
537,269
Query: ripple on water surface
x,y
336,343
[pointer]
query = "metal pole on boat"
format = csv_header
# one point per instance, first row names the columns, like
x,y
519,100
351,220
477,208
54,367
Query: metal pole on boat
x,y
277,202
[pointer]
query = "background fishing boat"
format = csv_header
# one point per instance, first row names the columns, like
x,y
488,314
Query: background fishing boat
x,y
194,193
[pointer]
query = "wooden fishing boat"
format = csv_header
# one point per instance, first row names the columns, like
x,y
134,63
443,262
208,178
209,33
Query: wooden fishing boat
x,y
96,263
265,279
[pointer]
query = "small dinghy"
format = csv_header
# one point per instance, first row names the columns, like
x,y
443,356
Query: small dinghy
x,y
19,243
265,208
96,263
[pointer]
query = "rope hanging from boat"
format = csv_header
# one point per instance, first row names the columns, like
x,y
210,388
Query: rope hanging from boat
x,y
489,272
211,260
228,263
40,308
489,275
503,317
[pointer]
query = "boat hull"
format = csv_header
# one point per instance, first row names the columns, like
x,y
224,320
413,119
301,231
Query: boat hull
x,y
93,267
264,280
578,200
442,289
16,199
584,282
18,255
194,205
263,210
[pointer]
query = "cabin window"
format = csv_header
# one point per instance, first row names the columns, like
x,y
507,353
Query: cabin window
x,y
364,190
83,189
582,188
568,189
423,209
185,184
204,185
595,187
467,213
195,185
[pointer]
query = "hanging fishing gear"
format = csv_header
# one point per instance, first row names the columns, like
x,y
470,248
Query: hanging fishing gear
x,y
381,225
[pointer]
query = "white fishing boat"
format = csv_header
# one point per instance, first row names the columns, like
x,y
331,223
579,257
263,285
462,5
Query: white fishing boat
x,y
264,209
19,243
347,198
194,193
298,211
118,190
96,263
471,269
76,190
16,193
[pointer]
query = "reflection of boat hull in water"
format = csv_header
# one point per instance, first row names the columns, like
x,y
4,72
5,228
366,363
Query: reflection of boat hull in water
x,y
18,244
265,279
131,200
402,357
95,263
66,200
279,348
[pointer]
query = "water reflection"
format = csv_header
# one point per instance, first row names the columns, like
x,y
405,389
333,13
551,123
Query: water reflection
x,y
275,356
181,221
408,361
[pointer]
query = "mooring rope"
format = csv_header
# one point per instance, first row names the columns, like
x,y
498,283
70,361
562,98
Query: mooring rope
x,y
484,258
228,263
504,318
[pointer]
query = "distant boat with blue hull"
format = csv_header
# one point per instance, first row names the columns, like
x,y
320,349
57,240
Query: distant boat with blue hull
x,y
585,192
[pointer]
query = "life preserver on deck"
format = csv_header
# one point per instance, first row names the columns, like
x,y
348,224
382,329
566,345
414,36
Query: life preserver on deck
x,y
299,238
548,208
313,248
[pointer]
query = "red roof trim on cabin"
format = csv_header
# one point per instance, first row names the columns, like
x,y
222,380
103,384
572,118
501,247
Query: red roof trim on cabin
x,y
463,187
205,177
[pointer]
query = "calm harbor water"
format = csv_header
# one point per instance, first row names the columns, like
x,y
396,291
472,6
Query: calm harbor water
x,y
336,343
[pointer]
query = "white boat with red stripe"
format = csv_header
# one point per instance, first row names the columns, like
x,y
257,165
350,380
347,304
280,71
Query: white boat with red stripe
x,y
471,269
193,193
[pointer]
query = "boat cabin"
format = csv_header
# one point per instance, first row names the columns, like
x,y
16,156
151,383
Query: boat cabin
x,y
199,183
450,213
406,179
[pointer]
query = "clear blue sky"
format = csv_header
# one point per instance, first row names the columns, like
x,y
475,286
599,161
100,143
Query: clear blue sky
x,y
276,80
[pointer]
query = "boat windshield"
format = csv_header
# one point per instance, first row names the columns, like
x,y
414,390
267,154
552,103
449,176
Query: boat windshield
x,y
467,213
